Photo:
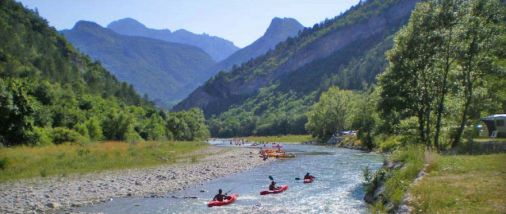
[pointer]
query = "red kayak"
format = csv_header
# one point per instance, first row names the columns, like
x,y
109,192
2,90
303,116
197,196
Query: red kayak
x,y
309,180
281,189
232,198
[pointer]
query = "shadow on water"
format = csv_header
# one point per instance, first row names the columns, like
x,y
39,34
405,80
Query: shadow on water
x,y
358,192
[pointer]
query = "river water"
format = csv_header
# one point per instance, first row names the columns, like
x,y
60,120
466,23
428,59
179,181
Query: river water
x,y
337,189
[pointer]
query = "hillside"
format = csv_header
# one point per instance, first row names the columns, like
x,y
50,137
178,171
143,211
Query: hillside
x,y
271,93
218,48
278,31
52,94
165,71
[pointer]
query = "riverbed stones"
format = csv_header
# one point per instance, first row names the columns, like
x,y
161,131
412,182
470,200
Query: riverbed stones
x,y
53,205
31,195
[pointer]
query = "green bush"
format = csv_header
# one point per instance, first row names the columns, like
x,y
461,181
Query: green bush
x,y
61,135
82,129
408,129
94,129
387,143
41,136
3,163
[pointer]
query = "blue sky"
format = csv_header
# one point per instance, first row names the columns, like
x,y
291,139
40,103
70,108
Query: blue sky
x,y
241,21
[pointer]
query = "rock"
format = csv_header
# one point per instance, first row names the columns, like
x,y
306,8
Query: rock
x,y
53,205
138,183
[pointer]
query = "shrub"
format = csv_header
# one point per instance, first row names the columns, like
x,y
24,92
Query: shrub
x,y
94,129
3,163
408,129
61,135
42,136
387,143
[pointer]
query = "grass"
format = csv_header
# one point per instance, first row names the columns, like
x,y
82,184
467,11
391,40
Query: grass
x,y
463,184
413,158
398,181
281,138
26,162
489,139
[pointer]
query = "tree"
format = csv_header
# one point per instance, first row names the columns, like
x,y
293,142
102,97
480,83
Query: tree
x,y
481,28
444,42
407,85
16,113
188,125
330,114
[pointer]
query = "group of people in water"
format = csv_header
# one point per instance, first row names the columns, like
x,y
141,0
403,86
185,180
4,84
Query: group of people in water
x,y
223,196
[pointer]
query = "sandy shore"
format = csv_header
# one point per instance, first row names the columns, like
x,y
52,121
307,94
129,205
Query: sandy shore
x,y
60,193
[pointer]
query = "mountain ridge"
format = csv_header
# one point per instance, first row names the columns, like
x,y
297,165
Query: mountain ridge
x,y
217,47
165,71
278,31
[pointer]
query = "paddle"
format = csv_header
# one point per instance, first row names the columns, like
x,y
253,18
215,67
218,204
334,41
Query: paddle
x,y
229,191
270,177
297,179
185,197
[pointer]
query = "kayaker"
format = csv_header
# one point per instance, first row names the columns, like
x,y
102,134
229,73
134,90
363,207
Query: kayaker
x,y
220,196
273,186
308,176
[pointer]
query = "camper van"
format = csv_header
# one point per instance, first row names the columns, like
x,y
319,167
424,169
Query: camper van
x,y
496,125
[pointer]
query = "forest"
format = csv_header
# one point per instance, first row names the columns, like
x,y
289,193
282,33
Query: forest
x,y
51,94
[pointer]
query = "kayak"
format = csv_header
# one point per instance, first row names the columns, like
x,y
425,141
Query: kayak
x,y
233,197
280,155
307,181
281,189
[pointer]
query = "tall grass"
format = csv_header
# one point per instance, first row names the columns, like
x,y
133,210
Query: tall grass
x,y
397,181
413,158
65,159
281,138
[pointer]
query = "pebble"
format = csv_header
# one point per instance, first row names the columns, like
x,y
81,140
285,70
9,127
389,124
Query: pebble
x,y
53,205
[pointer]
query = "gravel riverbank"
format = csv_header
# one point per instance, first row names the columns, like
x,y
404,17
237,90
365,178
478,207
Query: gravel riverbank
x,y
61,193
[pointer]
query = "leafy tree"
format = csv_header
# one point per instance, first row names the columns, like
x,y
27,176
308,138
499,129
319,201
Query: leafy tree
x,y
442,43
188,125
16,113
94,129
478,40
117,126
330,114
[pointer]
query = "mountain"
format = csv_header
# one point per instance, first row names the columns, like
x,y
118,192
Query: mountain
x,y
48,90
271,93
218,48
165,71
278,31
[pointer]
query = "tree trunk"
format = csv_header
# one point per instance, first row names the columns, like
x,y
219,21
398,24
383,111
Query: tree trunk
x,y
468,93
440,107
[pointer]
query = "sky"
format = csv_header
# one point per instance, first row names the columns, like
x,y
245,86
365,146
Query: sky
x,y
240,21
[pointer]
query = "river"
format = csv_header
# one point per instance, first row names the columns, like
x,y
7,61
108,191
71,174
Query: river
x,y
337,189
